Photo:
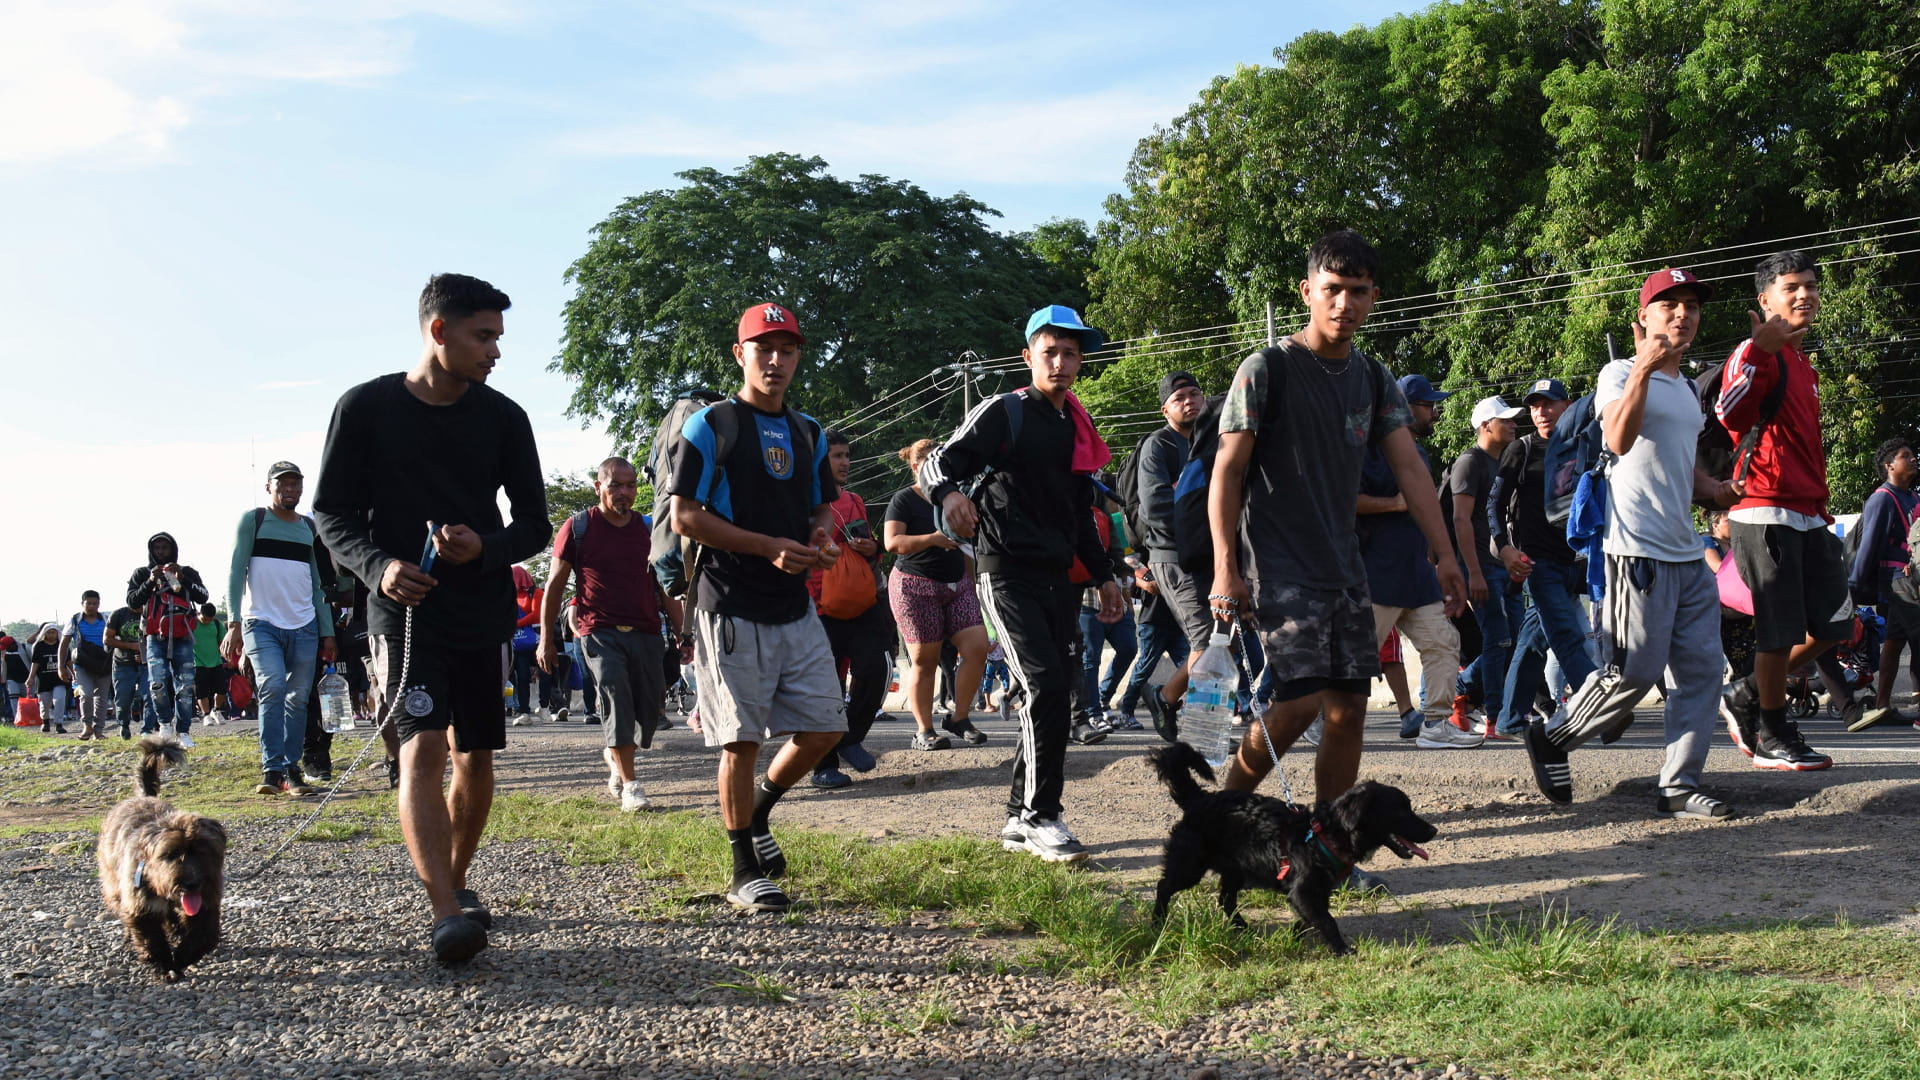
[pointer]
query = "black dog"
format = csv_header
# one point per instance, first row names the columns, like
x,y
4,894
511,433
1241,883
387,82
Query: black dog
x,y
1253,840
162,870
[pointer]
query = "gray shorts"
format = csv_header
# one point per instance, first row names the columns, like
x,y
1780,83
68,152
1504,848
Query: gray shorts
x,y
1187,596
759,681
629,667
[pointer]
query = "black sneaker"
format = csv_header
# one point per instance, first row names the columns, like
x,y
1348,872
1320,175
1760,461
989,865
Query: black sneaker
x,y
1086,734
271,783
752,892
1692,804
472,908
1166,718
393,773
929,740
1783,748
457,938
1550,771
1740,708
296,782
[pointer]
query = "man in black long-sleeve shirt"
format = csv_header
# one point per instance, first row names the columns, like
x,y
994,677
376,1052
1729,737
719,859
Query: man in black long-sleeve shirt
x,y
406,453
1033,517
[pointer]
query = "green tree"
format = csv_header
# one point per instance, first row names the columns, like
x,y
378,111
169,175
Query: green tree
x,y
566,496
887,281
1515,163
20,629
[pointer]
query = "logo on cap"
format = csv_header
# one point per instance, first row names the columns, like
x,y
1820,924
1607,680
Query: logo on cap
x,y
773,314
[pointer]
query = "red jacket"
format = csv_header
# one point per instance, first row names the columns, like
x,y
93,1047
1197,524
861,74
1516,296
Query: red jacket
x,y
1789,465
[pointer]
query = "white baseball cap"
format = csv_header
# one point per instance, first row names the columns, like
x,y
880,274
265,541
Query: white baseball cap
x,y
1495,408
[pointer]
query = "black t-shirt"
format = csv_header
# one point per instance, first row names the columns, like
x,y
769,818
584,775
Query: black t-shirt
x,y
125,625
915,515
1525,464
1471,474
46,655
766,484
393,463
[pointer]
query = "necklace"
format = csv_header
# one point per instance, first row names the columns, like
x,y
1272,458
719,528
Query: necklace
x,y
1345,361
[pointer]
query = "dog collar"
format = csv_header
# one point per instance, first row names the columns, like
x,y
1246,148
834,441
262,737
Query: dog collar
x,y
1314,834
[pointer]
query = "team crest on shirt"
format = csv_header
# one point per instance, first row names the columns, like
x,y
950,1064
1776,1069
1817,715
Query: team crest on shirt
x,y
776,448
779,461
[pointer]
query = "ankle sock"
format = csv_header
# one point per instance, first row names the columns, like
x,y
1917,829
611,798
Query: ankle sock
x,y
764,797
745,862
1772,720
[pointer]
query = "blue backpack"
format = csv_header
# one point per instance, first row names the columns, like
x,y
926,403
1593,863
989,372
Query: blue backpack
x,y
1578,447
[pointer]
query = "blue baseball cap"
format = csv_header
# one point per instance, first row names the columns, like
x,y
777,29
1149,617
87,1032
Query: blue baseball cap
x,y
1420,388
1550,389
1062,317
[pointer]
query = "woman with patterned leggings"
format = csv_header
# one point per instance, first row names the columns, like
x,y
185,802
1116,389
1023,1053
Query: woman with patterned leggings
x,y
931,593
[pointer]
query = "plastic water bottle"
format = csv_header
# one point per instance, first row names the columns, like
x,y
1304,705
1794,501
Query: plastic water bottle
x,y
336,703
1206,721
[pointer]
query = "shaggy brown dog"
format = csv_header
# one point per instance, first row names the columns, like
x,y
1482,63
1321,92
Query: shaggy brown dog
x,y
1253,840
161,869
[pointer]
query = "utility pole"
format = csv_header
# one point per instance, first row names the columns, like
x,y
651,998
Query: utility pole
x,y
971,368
1270,338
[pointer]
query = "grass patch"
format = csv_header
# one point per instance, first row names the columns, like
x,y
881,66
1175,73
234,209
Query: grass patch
x,y
1546,994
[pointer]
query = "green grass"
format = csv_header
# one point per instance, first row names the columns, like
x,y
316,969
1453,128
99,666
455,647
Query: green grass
x,y
1543,994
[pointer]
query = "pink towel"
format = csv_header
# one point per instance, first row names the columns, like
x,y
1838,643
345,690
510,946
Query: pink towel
x,y
1090,451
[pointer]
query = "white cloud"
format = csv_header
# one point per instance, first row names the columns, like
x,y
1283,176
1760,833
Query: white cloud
x,y
120,77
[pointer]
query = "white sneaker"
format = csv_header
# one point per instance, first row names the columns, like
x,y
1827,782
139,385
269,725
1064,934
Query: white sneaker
x,y
613,784
632,798
1442,735
519,719
540,713
1048,838
1311,736
186,742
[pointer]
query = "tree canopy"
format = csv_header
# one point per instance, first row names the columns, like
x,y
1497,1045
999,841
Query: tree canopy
x,y
1521,166
887,280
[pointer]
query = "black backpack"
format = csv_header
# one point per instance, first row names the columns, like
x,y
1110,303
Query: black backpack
x,y
1578,446
1126,490
1192,531
1715,453
1011,403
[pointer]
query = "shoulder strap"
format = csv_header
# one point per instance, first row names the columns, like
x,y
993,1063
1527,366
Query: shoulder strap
x,y
1769,408
1015,403
259,519
578,522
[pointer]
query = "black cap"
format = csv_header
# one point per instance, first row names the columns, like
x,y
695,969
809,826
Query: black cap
x,y
1175,381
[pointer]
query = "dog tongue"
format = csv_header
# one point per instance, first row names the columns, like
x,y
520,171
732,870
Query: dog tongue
x,y
190,903
1414,848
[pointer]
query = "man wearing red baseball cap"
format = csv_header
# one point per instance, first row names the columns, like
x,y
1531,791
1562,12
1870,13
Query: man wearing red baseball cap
x,y
1663,606
753,485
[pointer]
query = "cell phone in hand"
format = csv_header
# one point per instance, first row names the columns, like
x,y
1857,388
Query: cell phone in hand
x,y
858,529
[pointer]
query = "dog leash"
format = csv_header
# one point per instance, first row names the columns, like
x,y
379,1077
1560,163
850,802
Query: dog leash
x,y
1266,736
393,701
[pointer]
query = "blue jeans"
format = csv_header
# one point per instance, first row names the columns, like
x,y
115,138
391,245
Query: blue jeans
x,y
283,665
130,697
1154,640
1096,634
170,682
1553,622
1497,618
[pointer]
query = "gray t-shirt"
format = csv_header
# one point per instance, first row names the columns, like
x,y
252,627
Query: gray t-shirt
x,y
1314,420
1650,489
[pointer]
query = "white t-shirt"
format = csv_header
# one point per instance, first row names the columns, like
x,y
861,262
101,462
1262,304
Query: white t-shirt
x,y
1650,489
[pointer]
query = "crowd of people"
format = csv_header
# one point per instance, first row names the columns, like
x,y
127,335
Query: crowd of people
x,y
1295,512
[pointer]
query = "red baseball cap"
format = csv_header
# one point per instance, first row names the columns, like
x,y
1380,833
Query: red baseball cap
x,y
1661,281
763,319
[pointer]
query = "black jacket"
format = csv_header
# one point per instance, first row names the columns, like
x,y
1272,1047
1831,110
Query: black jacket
x,y
1163,453
140,587
1034,510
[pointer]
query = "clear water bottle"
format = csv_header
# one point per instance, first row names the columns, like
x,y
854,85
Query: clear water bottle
x,y
336,702
1206,720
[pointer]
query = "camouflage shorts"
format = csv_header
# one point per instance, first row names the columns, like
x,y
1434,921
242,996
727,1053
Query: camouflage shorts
x,y
1318,633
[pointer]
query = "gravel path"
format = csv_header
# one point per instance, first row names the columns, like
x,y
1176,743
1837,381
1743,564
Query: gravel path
x,y
325,965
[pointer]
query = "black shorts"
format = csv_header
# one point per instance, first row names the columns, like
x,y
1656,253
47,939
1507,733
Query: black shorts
x,y
208,681
1900,605
446,688
1799,584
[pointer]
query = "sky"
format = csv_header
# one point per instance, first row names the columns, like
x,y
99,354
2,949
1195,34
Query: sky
x,y
218,214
